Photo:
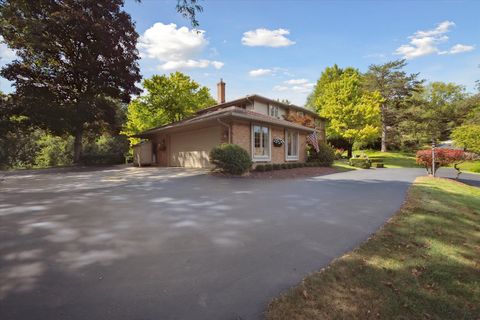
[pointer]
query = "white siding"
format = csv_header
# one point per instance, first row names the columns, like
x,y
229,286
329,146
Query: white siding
x,y
264,108
143,152
260,107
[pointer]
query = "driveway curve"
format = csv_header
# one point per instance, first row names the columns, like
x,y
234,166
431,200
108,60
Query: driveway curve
x,y
151,243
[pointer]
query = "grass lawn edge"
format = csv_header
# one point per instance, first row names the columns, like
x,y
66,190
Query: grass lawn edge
x,y
372,281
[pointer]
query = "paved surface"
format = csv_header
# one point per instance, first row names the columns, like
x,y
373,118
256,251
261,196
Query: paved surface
x,y
151,243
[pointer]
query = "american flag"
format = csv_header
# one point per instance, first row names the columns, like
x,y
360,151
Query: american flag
x,y
312,139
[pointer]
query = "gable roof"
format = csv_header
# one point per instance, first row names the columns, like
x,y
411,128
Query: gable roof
x,y
251,98
225,112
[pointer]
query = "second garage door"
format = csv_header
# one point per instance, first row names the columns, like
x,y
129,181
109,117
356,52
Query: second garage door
x,y
191,149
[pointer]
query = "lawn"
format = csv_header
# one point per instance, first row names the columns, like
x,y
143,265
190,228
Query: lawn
x,y
392,159
470,166
342,166
399,159
423,264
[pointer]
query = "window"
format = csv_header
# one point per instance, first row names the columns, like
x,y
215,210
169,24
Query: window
x,y
274,111
260,142
291,145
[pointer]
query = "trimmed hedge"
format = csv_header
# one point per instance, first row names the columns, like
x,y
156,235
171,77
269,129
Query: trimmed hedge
x,y
231,158
363,163
261,167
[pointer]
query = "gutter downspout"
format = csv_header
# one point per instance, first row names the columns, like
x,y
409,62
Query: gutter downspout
x,y
229,129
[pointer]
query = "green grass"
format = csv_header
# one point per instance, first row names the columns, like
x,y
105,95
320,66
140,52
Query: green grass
x,y
399,159
423,264
392,159
342,165
470,166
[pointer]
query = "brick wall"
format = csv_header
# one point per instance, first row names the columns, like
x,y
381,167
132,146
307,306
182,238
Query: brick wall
x,y
278,153
302,152
241,135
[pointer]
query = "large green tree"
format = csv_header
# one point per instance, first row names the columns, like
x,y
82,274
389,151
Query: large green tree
x,y
353,113
76,58
468,137
444,108
396,87
329,75
167,99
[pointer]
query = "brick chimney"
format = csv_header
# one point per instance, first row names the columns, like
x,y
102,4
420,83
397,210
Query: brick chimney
x,y
221,91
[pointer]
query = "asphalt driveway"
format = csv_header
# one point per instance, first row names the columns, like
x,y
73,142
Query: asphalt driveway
x,y
150,243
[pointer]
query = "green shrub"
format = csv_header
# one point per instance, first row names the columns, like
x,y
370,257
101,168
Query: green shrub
x,y
361,162
54,151
231,158
260,167
379,165
277,166
105,149
284,166
268,167
325,155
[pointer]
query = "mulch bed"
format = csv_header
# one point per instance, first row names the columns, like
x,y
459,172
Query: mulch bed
x,y
286,173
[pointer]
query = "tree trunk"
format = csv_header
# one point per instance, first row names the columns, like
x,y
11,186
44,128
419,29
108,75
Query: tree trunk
x,y
350,151
384,130
77,147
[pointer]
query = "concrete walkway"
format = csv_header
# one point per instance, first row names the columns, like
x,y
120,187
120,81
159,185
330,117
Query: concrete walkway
x,y
151,243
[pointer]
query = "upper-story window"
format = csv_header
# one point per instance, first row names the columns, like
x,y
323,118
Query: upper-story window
x,y
274,111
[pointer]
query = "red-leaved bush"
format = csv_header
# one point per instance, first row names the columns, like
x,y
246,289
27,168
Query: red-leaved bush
x,y
443,157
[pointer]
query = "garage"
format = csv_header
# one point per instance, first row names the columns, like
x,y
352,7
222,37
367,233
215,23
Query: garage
x,y
191,148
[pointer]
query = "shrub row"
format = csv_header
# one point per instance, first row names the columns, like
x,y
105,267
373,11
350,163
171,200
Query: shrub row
x,y
288,165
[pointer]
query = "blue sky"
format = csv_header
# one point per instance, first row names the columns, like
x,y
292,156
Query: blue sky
x,y
279,48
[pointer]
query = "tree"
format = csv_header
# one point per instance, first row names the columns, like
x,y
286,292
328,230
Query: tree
x,y
444,109
353,113
395,87
329,75
467,136
17,138
168,99
76,58
189,9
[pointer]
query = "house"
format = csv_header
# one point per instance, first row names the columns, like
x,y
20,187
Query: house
x,y
271,132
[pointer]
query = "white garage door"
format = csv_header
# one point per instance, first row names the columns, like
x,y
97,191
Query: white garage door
x,y
191,149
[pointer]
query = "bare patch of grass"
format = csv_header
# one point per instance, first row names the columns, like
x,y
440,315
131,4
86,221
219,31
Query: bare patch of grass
x,y
423,264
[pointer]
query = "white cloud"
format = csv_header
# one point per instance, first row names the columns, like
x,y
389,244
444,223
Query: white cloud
x,y
295,85
6,54
426,42
259,72
267,38
190,64
267,72
280,88
296,81
175,48
458,48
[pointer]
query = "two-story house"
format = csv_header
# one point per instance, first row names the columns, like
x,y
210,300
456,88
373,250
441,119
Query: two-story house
x,y
271,132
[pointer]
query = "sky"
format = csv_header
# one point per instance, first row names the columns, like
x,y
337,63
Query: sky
x,y
279,48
